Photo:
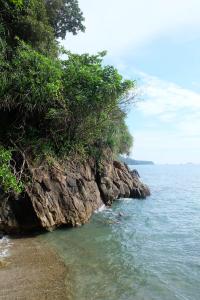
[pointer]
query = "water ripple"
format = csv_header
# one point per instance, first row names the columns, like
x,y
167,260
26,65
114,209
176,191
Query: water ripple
x,y
140,249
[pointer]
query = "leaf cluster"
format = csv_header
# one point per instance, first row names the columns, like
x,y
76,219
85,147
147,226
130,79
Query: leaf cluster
x,y
8,181
62,102
40,22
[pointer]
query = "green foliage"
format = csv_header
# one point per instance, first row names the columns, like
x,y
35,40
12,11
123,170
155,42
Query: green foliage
x,y
64,16
119,139
33,27
94,92
66,106
17,2
8,181
3,45
50,106
40,22
32,82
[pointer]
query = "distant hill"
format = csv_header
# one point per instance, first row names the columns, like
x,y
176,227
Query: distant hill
x,y
131,161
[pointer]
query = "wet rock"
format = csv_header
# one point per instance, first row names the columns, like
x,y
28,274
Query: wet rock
x,y
117,181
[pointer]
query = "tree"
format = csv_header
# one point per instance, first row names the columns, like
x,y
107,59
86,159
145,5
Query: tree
x,y
50,106
64,16
94,92
28,22
62,103
40,22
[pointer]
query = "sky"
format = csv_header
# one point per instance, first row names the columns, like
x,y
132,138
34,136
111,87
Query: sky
x,y
156,43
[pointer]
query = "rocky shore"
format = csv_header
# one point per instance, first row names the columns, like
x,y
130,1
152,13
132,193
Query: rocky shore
x,y
67,194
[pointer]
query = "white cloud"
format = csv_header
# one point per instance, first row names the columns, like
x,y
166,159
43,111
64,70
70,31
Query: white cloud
x,y
171,104
175,114
118,26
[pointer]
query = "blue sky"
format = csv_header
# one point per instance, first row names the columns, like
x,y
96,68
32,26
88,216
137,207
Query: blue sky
x,y
156,42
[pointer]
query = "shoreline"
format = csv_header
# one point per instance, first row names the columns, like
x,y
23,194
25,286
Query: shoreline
x,y
32,270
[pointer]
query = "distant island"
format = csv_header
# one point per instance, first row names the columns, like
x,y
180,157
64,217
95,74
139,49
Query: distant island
x,y
131,161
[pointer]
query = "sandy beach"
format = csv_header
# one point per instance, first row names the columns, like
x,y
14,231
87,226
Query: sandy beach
x,y
32,270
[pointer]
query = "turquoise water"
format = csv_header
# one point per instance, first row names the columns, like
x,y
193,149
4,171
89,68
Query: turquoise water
x,y
151,250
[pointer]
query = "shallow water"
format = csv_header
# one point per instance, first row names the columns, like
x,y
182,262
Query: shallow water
x,y
140,249
30,270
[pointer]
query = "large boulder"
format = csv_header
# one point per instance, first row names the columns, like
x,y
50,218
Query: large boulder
x,y
117,181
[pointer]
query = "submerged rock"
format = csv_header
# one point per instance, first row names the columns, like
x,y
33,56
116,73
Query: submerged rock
x,y
68,194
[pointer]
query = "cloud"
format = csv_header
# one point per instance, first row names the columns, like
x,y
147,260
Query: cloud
x,y
174,115
171,103
119,26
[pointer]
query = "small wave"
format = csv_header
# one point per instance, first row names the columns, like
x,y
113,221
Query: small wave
x,y
4,247
101,208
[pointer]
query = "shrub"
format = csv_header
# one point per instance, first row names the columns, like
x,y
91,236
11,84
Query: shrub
x,y
8,181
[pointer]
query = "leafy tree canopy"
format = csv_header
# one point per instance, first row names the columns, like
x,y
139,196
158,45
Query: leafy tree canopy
x,y
64,16
62,102
40,22
53,106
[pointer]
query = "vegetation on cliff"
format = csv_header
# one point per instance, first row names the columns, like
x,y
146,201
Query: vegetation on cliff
x,y
54,103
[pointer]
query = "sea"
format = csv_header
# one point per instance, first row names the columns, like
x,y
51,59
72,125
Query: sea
x,y
139,249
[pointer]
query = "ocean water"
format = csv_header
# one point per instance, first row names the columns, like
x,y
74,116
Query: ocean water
x,y
139,249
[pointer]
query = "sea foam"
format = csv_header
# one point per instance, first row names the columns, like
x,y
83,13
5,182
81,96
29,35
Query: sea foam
x,y
4,247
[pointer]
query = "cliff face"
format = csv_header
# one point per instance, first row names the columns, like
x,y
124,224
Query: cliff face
x,y
68,195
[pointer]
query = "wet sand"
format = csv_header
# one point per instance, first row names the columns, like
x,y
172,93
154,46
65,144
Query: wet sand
x,y
33,271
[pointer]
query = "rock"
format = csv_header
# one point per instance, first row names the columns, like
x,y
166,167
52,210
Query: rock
x,y
8,222
68,194
135,173
116,180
